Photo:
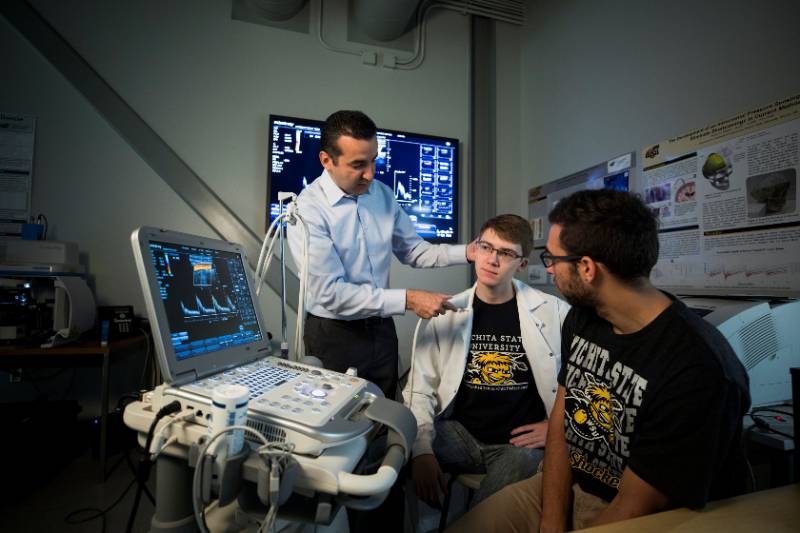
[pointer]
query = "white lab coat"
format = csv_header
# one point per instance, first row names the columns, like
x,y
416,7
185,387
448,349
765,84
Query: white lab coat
x,y
442,347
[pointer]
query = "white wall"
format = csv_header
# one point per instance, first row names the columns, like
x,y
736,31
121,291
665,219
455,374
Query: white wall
x,y
206,84
512,178
581,82
598,79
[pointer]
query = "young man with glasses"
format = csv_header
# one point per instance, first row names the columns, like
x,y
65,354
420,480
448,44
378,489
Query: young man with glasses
x,y
484,378
648,414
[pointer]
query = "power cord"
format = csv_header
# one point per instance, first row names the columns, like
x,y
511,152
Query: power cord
x,y
763,425
124,400
410,372
771,410
758,419
143,472
147,355
411,365
73,517
97,513
132,468
290,216
751,475
160,443
41,219
278,455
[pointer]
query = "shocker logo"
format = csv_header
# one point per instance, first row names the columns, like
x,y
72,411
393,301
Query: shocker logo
x,y
595,414
493,368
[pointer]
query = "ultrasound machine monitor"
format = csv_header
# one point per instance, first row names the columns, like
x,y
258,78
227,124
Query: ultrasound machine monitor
x,y
208,331
204,313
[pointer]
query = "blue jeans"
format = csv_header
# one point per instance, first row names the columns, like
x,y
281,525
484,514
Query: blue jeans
x,y
459,452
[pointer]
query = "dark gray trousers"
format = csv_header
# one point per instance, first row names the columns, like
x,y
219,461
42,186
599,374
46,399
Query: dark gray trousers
x,y
370,345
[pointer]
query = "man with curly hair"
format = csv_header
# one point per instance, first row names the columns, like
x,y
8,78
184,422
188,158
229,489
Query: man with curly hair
x,y
648,414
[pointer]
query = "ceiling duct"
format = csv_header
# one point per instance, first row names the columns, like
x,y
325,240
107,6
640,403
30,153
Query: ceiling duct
x,y
275,10
384,20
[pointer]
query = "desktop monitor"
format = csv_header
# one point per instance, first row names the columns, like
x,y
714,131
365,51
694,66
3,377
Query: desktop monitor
x,y
422,170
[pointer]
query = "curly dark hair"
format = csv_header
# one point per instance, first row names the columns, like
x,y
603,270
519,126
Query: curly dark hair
x,y
612,227
351,123
512,228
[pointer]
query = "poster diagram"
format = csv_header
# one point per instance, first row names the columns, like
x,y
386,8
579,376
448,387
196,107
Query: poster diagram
x,y
728,207
725,195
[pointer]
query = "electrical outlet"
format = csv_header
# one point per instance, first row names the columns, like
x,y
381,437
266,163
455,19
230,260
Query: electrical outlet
x,y
369,57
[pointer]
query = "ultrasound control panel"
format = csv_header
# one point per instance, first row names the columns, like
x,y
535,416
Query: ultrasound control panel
x,y
309,395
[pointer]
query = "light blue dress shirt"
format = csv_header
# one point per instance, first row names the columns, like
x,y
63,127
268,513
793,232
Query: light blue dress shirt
x,y
351,239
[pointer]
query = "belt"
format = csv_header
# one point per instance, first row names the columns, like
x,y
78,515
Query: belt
x,y
357,323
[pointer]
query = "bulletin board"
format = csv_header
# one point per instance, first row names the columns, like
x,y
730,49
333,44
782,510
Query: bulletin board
x,y
725,195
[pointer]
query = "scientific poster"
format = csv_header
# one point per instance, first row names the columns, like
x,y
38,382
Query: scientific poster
x,y
727,199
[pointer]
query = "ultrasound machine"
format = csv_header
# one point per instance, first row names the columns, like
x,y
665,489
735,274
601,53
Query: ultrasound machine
x,y
303,429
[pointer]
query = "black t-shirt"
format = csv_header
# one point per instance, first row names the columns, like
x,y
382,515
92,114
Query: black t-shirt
x,y
666,401
497,392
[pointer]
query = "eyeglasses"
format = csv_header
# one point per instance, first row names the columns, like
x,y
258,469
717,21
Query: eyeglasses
x,y
503,254
549,259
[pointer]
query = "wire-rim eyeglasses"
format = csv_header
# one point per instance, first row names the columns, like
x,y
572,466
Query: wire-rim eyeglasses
x,y
503,254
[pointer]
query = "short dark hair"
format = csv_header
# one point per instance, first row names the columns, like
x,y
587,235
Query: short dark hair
x,y
351,123
612,227
512,228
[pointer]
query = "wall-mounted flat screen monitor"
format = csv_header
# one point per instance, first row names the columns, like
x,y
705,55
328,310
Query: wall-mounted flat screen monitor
x,y
422,170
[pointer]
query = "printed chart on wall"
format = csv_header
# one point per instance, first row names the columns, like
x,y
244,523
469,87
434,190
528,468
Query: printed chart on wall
x,y
16,169
727,199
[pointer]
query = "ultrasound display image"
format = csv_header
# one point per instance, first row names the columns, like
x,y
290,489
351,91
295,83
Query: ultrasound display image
x,y
206,298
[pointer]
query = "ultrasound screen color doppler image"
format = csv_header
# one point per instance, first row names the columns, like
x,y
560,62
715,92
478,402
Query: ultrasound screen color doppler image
x,y
206,298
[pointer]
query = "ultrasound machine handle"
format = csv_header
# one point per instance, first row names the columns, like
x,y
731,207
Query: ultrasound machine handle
x,y
402,428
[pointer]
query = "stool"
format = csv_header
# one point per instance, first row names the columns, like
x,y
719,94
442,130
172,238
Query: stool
x,y
471,481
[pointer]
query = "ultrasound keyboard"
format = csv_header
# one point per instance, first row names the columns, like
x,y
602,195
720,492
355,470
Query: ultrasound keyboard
x,y
258,377
312,407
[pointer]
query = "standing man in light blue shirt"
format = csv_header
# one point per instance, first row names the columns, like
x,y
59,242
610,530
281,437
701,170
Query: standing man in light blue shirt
x,y
355,225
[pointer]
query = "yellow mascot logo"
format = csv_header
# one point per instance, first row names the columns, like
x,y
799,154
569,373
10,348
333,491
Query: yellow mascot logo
x,y
493,368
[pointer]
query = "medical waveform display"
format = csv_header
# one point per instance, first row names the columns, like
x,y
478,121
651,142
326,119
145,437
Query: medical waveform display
x,y
421,170
201,310
206,297
403,193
